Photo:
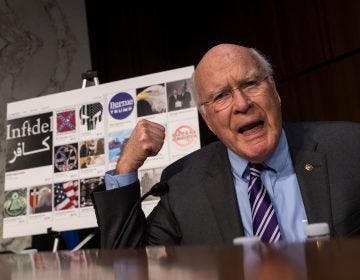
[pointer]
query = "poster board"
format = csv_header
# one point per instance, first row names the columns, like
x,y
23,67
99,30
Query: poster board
x,y
58,147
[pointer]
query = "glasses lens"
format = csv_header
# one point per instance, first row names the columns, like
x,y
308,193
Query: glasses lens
x,y
252,89
223,103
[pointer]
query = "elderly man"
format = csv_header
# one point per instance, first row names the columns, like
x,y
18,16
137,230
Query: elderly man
x,y
262,178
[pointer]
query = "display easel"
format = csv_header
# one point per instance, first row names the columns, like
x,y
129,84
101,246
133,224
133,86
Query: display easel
x,y
56,236
91,78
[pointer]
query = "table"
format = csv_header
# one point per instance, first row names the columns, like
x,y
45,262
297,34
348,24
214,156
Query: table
x,y
331,259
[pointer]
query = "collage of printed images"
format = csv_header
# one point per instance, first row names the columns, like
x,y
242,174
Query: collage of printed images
x,y
47,198
155,99
73,156
88,122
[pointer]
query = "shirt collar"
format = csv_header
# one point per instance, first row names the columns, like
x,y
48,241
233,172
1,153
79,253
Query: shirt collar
x,y
275,162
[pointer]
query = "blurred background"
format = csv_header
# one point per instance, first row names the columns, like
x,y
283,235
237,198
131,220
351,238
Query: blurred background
x,y
314,46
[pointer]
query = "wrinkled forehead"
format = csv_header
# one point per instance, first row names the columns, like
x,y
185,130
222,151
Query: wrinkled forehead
x,y
221,66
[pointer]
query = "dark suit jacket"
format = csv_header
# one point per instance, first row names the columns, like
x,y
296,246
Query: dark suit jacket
x,y
201,205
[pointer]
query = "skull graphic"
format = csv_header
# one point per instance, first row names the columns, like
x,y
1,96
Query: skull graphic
x,y
90,114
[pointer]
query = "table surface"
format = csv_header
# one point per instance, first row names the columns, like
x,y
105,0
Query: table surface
x,y
328,259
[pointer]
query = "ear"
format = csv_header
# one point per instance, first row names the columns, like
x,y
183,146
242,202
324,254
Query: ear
x,y
278,96
206,119
273,85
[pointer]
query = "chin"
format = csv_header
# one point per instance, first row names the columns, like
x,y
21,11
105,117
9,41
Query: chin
x,y
258,153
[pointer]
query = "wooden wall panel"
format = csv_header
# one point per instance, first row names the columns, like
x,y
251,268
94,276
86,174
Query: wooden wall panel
x,y
343,25
314,46
301,36
329,93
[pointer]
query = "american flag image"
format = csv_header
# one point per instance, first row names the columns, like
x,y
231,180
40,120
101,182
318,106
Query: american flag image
x,y
66,195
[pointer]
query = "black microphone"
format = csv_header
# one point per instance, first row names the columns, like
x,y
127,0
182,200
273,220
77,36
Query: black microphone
x,y
159,189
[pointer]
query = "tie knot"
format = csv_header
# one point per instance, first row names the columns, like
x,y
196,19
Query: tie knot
x,y
256,168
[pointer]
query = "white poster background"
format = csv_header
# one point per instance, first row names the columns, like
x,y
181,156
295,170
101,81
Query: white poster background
x,y
86,140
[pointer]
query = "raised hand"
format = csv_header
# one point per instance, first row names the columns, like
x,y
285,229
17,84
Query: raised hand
x,y
146,140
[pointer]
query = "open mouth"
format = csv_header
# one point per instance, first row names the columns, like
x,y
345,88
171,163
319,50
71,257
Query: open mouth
x,y
251,127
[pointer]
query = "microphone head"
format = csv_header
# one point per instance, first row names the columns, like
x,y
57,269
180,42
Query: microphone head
x,y
159,189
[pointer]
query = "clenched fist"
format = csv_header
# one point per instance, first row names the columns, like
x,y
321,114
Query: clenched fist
x,y
146,140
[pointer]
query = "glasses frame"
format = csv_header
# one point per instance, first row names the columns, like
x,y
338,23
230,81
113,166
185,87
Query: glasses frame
x,y
251,85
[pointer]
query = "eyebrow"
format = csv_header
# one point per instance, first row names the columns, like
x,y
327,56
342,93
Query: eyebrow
x,y
248,76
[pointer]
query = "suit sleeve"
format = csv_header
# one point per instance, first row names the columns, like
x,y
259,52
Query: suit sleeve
x,y
162,227
112,209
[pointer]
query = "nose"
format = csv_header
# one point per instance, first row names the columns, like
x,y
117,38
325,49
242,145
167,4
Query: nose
x,y
241,102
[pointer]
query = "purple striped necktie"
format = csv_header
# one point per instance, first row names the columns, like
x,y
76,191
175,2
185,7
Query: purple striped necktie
x,y
265,224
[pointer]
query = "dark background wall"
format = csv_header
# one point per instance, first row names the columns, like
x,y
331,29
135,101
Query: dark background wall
x,y
314,46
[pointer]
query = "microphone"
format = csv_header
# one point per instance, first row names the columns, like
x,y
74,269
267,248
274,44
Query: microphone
x,y
159,189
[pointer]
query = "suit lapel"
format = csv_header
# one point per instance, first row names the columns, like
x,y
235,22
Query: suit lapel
x,y
219,189
311,170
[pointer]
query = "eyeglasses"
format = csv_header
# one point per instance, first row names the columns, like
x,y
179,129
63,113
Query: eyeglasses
x,y
250,88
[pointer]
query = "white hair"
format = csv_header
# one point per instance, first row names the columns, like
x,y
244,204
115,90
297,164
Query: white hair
x,y
261,58
264,62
